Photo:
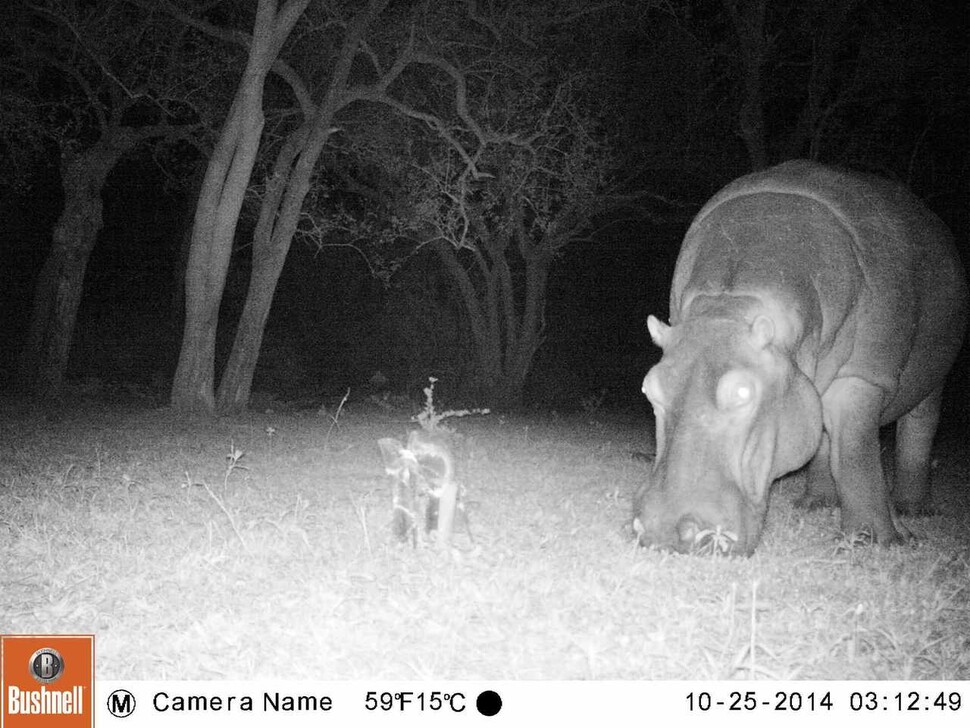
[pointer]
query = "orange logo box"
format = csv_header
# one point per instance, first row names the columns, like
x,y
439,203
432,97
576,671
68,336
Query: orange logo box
x,y
46,680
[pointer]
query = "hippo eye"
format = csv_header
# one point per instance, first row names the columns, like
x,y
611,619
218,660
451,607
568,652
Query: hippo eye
x,y
736,389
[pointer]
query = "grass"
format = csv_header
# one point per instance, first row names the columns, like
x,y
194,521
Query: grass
x,y
260,546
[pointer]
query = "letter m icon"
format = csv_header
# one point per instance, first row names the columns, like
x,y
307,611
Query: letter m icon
x,y
121,703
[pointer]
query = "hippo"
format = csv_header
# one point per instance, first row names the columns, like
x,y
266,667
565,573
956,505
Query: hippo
x,y
810,306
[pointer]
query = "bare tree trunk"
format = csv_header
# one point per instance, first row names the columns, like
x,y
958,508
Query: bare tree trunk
x,y
57,295
748,18
506,336
485,339
220,202
214,228
829,43
532,323
523,333
186,215
279,216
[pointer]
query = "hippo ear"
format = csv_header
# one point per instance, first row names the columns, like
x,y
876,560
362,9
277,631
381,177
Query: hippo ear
x,y
762,332
659,331
799,418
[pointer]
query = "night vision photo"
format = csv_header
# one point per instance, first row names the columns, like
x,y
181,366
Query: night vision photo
x,y
487,340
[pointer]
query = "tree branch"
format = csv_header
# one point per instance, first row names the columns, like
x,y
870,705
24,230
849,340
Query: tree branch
x,y
238,38
82,42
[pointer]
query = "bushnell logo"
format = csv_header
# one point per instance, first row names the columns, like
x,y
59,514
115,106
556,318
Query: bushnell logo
x,y
46,665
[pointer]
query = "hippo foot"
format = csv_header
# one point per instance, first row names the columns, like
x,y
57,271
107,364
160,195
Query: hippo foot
x,y
867,536
814,501
857,539
920,508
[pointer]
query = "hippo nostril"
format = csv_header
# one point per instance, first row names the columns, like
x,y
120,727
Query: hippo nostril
x,y
716,542
687,530
696,538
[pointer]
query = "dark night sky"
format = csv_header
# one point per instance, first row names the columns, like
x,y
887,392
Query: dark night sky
x,y
324,331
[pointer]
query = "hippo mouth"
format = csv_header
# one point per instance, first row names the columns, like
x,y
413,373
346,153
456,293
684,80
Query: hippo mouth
x,y
694,540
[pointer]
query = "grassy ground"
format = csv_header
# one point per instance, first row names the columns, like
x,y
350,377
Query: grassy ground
x,y
127,525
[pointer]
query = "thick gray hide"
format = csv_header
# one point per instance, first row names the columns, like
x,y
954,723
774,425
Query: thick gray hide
x,y
809,306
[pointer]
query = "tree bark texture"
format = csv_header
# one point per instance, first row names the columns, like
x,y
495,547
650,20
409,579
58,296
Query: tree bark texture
x,y
279,216
271,244
57,295
748,18
217,213
506,332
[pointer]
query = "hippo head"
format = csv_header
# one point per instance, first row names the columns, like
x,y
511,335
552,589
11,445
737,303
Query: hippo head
x,y
733,413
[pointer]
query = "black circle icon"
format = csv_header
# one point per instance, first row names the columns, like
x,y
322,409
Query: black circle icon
x,y
489,703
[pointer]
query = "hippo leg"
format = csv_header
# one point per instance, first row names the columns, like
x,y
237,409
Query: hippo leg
x,y
850,410
914,439
820,491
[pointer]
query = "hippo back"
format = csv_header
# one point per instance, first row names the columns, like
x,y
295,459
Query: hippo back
x,y
850,264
